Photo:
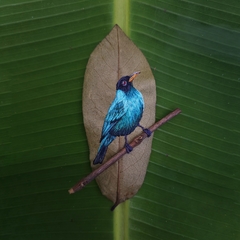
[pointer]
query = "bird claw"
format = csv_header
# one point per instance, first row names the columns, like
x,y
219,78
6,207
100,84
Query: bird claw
x,y
147,131
128,148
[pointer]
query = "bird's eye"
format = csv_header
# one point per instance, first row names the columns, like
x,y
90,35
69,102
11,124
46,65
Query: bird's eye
x,y
124,83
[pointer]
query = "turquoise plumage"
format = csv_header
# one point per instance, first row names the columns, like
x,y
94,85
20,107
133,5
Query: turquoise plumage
x,y
123,116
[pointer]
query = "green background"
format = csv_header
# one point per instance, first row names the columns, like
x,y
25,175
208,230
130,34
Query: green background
x,y
191,190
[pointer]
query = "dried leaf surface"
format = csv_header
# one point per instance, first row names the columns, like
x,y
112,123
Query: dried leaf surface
x,y
114,57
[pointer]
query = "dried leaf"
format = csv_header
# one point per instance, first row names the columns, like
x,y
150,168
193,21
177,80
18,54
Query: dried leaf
x,y
114,57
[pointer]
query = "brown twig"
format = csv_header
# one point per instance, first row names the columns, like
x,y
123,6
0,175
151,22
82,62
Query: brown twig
x,y
135,142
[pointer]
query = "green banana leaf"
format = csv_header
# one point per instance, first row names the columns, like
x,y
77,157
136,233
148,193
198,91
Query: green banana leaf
x,y
191,190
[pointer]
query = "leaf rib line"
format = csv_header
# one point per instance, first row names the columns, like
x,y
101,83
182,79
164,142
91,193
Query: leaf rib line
x,y
186,150
170,220
53,16
185,32
194,19
185,173
189,66
187,50
190,186
194,108
180,210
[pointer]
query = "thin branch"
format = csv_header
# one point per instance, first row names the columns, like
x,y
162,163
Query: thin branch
x,y
135,142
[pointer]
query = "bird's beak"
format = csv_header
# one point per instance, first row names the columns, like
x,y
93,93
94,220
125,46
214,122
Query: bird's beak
x,y
133,76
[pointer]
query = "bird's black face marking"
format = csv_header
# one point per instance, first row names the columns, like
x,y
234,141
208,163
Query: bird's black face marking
x,y
124,84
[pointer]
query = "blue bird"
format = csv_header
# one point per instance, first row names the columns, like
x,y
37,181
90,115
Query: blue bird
x,y
124,115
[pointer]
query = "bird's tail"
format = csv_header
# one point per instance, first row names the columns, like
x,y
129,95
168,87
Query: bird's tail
x,y
103,149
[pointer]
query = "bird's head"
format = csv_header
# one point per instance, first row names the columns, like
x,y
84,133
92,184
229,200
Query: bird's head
x,y
125,83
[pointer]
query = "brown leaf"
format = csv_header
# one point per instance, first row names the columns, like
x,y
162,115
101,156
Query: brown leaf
x,y
114,57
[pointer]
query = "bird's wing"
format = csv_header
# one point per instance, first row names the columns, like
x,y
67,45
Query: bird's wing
x,y
115,113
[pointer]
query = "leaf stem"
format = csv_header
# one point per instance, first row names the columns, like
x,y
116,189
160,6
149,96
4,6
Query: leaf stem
x,y
121,14
135,142
120,222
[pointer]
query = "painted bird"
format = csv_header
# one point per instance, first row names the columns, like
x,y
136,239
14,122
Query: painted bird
x,y
123,116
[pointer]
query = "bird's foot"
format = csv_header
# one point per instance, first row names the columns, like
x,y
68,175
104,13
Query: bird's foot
x,y
147,131
128,148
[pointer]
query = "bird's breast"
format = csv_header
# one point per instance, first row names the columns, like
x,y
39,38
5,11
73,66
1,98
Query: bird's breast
x,y
133,105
